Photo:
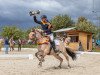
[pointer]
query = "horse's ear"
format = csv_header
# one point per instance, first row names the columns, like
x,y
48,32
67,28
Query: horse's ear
x,y
34,29
42,31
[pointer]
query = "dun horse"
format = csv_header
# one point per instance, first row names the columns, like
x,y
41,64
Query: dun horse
x,y
44,49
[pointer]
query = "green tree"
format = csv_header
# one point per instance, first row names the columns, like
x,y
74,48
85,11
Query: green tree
x,y
8,31
84,25
98,33
81,19
26,32
61,21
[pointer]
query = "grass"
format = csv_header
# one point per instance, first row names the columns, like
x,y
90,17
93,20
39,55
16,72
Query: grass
x,y
96,49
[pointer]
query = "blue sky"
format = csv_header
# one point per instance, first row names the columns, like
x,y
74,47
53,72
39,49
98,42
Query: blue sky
x,y
16,12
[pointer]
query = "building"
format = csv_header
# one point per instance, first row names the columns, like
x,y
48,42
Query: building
x,y
84,37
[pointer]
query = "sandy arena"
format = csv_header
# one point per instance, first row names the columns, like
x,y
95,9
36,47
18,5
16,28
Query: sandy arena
x,y
86,64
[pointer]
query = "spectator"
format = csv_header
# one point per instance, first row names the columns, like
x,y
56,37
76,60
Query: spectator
x,y
19,44
80,48
6,43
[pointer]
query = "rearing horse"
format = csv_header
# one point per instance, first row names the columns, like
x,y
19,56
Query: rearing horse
x,y
44,49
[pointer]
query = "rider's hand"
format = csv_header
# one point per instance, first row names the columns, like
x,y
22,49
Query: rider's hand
x,y
49,27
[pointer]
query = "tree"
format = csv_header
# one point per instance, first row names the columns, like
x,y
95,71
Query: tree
x,y
25,33
61,21
98,33
8,31
84,25
81,19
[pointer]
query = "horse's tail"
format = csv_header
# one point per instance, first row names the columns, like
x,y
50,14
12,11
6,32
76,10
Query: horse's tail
x,y
71,54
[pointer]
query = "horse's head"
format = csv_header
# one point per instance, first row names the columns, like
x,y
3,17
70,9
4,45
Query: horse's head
x,y
38,34
35,34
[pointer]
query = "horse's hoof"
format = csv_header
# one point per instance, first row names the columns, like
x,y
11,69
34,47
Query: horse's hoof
x,y
59,67
40,64
69,66
43,60
36,54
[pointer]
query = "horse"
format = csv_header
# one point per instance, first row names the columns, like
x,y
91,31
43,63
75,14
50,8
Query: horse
x,y
11,44
44,47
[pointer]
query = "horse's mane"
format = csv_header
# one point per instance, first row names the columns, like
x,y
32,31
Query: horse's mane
x,y
40,31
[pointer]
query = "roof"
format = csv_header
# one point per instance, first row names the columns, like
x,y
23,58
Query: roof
x,y
65,29
69,30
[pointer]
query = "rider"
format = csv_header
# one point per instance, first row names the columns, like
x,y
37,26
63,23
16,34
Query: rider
x,y
46,27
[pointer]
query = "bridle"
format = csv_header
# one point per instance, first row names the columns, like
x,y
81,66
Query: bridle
x,y
38,36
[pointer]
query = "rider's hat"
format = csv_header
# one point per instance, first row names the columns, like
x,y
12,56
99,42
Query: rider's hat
x,y
43,16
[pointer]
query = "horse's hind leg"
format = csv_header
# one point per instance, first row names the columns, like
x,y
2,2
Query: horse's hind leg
x,y
58,57
67,58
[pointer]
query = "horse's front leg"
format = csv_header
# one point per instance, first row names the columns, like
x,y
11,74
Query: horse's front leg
x,y
42,55
40,64
39,55
41,60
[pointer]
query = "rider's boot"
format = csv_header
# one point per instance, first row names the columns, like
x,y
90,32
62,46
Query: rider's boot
x,y
53,46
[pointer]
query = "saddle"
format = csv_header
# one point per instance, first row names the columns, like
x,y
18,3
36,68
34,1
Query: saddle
x,y
54,46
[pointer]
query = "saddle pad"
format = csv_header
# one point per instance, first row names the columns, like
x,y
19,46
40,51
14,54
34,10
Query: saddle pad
x,y
43,41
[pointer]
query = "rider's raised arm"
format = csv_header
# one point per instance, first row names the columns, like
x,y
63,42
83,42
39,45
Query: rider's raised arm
x,y
35,20
49,25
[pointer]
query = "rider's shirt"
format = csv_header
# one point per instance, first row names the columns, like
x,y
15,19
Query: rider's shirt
x,y
6,42
44,26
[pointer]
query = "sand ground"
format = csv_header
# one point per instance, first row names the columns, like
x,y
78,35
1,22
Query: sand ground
x,y
85,65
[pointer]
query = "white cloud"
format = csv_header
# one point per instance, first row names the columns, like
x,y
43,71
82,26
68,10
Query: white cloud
x,y
49,5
